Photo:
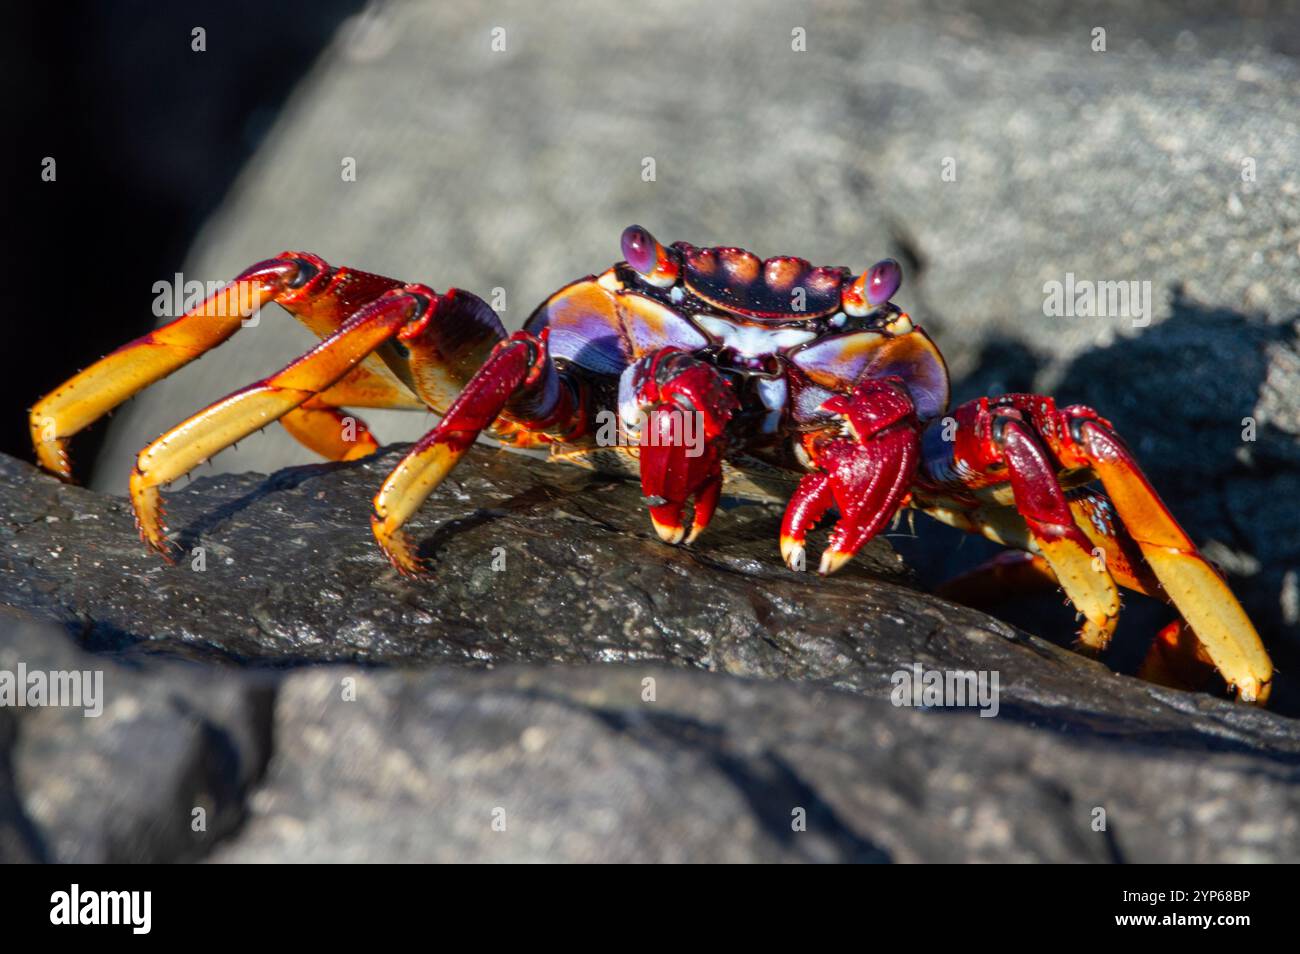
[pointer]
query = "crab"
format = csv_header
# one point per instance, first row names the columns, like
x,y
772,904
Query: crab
x,y
688,367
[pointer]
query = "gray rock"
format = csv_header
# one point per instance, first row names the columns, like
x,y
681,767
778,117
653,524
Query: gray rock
x,y
160,773
576,765
769,693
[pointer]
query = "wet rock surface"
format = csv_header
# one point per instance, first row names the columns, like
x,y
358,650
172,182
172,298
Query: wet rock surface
x,y
600,697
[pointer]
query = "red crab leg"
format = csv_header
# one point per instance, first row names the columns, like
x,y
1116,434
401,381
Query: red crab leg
x,y
1043,505
868,474
520,379
686,404
252,408
1177,659
1083,439
1011,572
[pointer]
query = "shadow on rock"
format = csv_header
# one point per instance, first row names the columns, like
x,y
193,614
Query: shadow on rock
x,y
1186,395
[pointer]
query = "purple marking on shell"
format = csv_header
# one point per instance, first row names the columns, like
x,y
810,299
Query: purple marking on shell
x,y
883,280
639,249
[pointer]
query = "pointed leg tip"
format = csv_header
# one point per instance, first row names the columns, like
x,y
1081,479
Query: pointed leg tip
x,y
793,553
396,546
833,560
150,517
672,534
1094,636
1254,692
154,536
53,458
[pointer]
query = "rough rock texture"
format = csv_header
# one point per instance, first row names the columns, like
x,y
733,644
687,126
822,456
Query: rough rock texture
x,y
769,693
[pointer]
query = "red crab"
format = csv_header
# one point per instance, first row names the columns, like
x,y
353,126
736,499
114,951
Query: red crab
x,y
671,364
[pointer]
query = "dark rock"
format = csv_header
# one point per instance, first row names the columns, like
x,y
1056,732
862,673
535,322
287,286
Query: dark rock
x,y
583,762
162,773
292,574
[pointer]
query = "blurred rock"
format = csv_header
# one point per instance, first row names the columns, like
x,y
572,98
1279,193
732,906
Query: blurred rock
x,y
161,774
573,764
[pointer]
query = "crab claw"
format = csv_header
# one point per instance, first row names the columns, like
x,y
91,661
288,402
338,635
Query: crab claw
x,y
866,474
681,406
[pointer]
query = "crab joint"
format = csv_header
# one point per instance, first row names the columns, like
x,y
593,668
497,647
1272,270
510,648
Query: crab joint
x,y
239,414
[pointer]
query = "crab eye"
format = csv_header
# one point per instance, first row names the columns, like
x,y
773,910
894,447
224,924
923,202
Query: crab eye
x,y
873,288
639,249
648,258
882,280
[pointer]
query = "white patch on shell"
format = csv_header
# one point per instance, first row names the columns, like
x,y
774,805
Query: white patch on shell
x,y
629,411
773,392
753,341
901,325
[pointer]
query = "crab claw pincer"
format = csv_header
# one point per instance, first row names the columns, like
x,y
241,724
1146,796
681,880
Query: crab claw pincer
x,y
865,474
683,406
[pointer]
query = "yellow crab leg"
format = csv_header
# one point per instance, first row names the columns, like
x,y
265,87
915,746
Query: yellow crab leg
x,y
1047,515
1194,587
518,378
325,429
108,382
236,416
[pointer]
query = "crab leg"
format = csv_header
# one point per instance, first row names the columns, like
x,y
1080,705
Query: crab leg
x,y
326,430
252,408
108,382
1043,505
686,405
518,378
809,503
1177,659
1194,587
305,285
1010,572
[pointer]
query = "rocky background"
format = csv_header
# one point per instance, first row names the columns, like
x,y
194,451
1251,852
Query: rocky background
x,y
1168,158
